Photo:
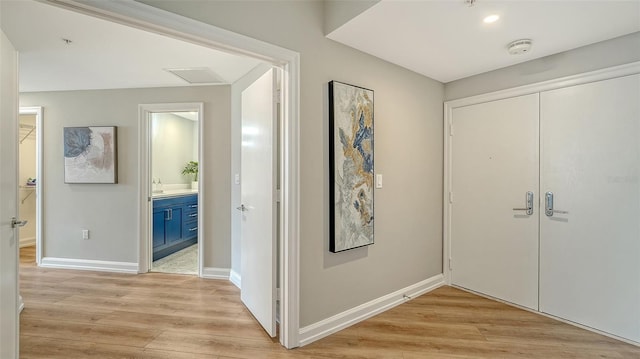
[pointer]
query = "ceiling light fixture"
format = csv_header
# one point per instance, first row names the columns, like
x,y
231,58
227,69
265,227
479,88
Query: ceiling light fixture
x,y
491,19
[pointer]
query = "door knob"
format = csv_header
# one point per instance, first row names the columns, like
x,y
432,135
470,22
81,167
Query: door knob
x,y
548,205
16,223
529,204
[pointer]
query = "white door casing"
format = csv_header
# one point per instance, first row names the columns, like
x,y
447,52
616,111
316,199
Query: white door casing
x,y
144,157
590,256
494,248
258,195
9,240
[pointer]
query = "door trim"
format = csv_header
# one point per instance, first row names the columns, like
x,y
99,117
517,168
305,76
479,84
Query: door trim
x,y
165,23
37,111
449,131
144,178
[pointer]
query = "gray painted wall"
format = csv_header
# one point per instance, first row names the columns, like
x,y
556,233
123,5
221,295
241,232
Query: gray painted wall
x,y
618,51
110,212
339,12
408,152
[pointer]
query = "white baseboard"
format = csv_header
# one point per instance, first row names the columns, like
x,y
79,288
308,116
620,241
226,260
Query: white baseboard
x,y
88,264
26,242
234,277
215,273
323,328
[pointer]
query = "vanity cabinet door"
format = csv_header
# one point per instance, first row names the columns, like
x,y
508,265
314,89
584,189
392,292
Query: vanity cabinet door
x,y
173,224
158,227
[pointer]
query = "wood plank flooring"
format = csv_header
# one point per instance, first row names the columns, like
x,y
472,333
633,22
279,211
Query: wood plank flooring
x,y
80,314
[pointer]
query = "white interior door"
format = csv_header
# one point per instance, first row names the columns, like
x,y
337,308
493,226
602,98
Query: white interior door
x,y
590,256
258,190
494,248
8,199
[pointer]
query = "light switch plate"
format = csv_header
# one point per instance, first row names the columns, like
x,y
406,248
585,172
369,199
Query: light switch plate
x,y
378,181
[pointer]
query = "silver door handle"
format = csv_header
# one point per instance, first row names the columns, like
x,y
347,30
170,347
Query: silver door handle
x,y
242,208
15,223
529,204
548,205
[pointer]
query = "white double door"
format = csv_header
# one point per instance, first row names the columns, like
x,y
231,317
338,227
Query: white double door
x,y
580,144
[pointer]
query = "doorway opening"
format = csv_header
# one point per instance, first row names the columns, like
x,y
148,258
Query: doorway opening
x,y
174,192
175,26
172,160
30,178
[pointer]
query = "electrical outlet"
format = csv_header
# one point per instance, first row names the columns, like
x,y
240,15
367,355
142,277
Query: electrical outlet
x,y
85,234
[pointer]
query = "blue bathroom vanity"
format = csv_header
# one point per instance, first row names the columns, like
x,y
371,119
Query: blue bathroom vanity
x,y
175,223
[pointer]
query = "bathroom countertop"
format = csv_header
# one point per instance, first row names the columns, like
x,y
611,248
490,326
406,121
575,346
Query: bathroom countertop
x,y
174,193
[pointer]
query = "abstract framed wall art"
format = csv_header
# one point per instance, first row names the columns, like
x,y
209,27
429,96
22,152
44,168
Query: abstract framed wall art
x,y
350,166
90,154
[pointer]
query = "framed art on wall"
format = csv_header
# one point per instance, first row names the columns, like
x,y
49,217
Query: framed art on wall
x,y
90,154
351,166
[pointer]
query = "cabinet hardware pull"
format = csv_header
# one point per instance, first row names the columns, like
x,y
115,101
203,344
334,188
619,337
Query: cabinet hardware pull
x,y
193,215
193,229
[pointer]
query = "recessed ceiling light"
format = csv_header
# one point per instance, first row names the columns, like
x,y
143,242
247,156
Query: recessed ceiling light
x,y
491,19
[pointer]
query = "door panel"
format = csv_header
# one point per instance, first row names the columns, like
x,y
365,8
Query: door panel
x,y
590,257
8,199
494,248
173,225
258,156
158,227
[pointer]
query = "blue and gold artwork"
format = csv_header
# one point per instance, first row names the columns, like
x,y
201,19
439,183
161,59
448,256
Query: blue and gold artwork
x,y
351,167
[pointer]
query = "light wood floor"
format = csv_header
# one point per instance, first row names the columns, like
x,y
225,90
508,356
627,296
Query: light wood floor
x,y
80,314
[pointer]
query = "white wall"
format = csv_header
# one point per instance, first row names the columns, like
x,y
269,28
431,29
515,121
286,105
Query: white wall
x,y
339,12
27,169
172,147
618,51
408,151
110,211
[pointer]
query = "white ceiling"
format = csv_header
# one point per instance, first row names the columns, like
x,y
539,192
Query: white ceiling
x,y
447,40
103,54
